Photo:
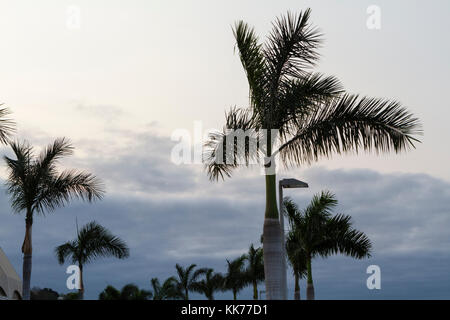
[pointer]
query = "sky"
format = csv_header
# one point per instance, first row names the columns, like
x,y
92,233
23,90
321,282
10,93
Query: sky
x,y
130,73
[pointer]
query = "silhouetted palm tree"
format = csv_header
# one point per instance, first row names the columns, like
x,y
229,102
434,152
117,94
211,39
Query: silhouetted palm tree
x,y
211,283
168,290
311,116
36,187
93,241
132,292
255,268
295,252
128,292
319,233
186,279
235,278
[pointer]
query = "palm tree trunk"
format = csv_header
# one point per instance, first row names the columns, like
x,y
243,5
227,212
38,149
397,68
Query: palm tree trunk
x,y
186,292
81,290
27,251
234,294
272,244
255,290
297,288
309,286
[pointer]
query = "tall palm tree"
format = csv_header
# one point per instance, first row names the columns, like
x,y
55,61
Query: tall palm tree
x,y
168,290
211,283
186,279
37,187
109,293
93,241
318,233
255,268
307,114
128,292
235,278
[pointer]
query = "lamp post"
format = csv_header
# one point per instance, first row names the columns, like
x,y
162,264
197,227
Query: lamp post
x,y
288,184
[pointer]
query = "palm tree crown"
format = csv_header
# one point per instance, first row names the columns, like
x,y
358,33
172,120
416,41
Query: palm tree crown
x,y
187,278
36,185
211,283
316,232
168,290
313,115
93,241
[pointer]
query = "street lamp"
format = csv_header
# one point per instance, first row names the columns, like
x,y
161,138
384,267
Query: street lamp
x,y
288,184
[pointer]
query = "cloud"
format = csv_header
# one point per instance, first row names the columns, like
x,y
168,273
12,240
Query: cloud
x,y
172,214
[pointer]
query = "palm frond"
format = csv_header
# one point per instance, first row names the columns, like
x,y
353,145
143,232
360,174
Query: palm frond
x,y
70,184
291,48
66,250
302,96
7,125
345,239
349,124
252,60
238,144
48,157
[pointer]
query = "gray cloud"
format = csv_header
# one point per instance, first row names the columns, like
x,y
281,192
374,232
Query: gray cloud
x,y
172,214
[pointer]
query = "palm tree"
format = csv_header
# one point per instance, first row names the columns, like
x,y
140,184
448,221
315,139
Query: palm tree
x,y
307,114
255,268
36,187
109,293
186,279
235,278
168,290
318,233
128,292
211,283
93,241
295,254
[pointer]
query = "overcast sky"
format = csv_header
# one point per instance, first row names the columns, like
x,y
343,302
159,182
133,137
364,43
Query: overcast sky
x,y
135,71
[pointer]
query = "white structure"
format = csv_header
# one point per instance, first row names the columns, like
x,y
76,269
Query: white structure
x,y
10,282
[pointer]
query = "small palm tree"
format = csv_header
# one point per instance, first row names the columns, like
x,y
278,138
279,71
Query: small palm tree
x,y
255,268
186,279
168,290
306,113
128,292
235,278
93,241
295,252
211,283
132,292
109,293
318,233
36,187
